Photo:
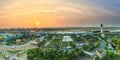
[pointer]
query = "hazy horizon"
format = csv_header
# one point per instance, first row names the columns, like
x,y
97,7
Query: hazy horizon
x,y
59,13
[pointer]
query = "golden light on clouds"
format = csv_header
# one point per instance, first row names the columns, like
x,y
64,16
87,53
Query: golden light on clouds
x,y
55,13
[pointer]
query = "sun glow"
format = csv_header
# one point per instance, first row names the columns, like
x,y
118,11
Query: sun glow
x,y
37,23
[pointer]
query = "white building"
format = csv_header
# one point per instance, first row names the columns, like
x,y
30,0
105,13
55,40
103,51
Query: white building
x,y
66,40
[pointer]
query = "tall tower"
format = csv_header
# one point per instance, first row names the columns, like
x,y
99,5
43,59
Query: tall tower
x,y
101,28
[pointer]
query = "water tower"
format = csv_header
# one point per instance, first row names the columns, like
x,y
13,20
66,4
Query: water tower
x,y
101,28
102,34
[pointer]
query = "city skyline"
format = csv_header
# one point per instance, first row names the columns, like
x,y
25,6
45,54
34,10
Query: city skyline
x,y
58,13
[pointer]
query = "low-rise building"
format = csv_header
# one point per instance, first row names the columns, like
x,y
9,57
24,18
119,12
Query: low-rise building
x,y
2,38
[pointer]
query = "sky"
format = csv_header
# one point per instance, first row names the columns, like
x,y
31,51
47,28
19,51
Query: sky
x,y
59,13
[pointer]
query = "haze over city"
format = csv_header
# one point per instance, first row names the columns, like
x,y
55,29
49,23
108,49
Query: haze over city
x,y
59,29
58,13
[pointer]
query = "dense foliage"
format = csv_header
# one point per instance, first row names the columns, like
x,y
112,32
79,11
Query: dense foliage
x,y
38,54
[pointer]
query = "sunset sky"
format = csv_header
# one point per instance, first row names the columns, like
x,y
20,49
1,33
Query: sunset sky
x,y
58,13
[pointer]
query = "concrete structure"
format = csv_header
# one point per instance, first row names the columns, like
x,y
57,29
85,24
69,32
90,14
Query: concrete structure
x,y
81,32
15,58
115,31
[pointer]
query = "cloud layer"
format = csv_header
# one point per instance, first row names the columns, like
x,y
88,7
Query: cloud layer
x,y
59,12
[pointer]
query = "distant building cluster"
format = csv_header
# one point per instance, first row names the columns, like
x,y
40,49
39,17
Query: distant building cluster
x,y
8,36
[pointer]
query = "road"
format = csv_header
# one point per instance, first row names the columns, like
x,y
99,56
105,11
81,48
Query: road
x,y
91,54
102,45
24,47
19,47
22,55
